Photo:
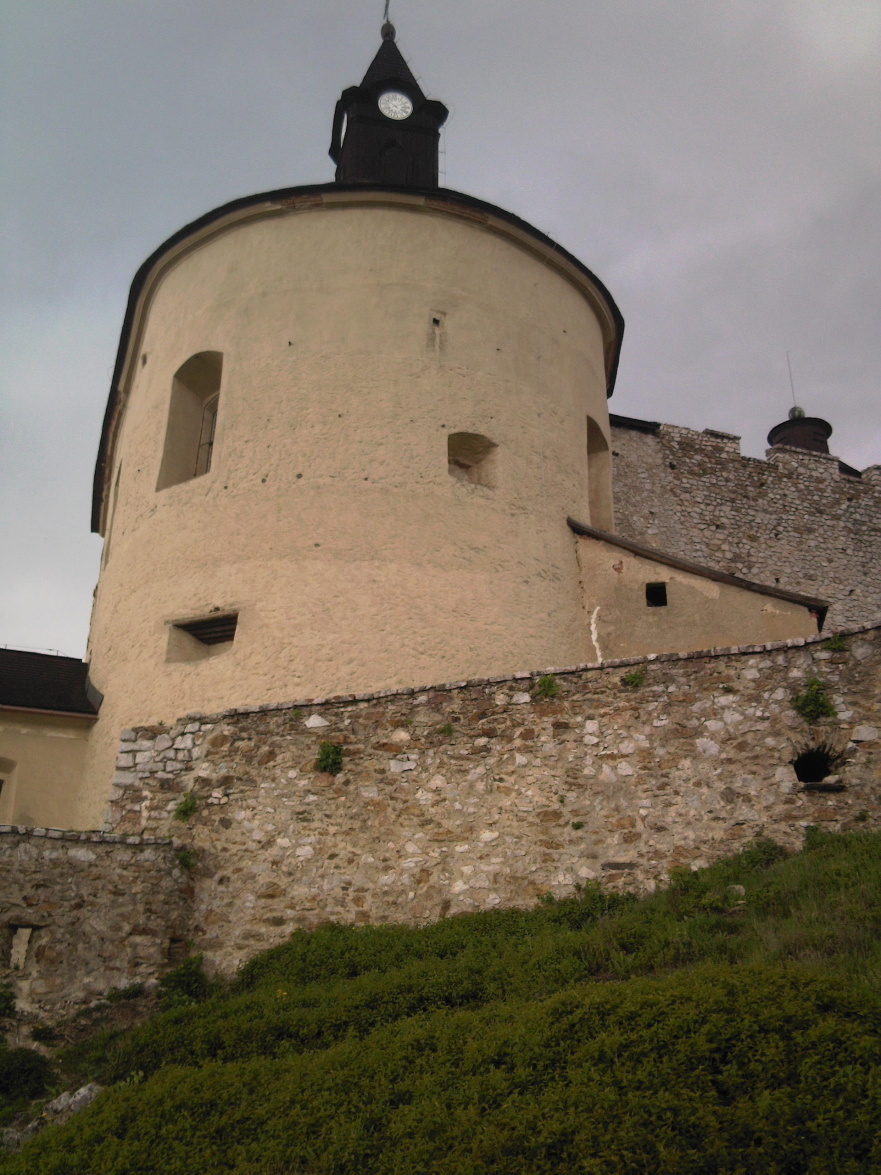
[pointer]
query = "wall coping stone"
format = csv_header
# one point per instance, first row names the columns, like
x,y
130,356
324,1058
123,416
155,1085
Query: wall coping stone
x,y
528,674
93,837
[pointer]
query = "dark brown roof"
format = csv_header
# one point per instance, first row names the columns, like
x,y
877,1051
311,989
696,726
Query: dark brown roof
x,y
441,197
633,423
43,681
821,607
389,66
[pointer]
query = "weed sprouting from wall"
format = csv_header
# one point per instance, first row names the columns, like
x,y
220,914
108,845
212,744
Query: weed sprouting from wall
x,y
330,759
814,702
836,643
186,808
546,687
635,679
186,858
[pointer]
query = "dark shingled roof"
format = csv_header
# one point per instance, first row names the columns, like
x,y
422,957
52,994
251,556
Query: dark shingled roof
x,y
389,66
43,681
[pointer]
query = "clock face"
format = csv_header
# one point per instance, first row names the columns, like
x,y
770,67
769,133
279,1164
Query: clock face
x,y
396,105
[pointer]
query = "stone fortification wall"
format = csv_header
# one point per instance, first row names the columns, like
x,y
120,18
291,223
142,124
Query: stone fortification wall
x,y
475,795
796,520
81,912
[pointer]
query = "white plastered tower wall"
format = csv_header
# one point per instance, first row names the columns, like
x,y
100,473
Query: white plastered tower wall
x,y
358,332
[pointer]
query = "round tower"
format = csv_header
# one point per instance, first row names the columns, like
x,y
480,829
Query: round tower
x,y
347,425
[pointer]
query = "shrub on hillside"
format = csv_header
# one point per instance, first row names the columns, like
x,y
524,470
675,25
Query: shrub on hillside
x,y
24,1073
185,985
746,1071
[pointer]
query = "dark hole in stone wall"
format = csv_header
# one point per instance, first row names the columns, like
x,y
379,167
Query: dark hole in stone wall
x,y
814,764
656,595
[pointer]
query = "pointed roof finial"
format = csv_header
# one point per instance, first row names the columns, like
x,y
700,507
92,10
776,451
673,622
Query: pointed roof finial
x,y
388,29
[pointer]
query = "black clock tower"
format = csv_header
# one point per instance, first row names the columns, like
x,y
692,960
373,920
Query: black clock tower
x,y
386,131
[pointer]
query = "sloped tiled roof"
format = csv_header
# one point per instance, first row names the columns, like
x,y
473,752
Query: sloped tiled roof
x,y
43,681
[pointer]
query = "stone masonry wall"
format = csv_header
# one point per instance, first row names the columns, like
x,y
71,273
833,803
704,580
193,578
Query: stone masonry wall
x,y
81,912
474,795
795,520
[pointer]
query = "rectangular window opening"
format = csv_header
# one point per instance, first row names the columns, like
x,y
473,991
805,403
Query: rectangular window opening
x,y
197,640
213,630
656,595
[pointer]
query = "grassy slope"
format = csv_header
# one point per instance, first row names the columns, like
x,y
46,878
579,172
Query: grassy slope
x,y
671,1034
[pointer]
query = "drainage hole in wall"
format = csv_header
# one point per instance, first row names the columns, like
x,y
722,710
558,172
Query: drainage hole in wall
x,y
814,764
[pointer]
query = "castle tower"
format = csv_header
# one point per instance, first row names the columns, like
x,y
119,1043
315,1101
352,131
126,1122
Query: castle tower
x,y
346,427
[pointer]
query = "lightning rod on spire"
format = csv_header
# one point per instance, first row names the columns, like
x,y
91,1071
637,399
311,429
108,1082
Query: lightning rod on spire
x,y
388,29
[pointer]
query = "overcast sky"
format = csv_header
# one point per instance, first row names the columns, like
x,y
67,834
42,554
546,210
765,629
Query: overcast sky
x,y
715,162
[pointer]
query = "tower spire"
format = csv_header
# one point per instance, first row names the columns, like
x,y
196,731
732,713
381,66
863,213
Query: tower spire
x,y
386,131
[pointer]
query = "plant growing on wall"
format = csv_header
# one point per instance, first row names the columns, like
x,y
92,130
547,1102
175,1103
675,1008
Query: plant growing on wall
x,y
546,687
634,679
836,643
330,759
186,858
814,702
186,808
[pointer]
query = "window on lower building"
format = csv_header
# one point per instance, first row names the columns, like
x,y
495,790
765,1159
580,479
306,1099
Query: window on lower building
x,y
192,419
656,595
472,457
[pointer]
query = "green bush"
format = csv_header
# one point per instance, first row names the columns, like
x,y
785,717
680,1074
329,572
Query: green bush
x,y
187,807
635,679
44,1033
836,643
24,1073
330,759
745,1071
185,985
7,1001
814,702
546,687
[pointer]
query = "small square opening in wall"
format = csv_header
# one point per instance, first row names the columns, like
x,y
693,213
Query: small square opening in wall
x,y
196,640
656,595
472,457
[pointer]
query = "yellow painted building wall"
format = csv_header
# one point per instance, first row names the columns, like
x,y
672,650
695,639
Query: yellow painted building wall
x,y
701,613
42,761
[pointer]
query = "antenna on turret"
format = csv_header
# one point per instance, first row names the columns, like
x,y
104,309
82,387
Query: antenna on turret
x,y
388,29
795,413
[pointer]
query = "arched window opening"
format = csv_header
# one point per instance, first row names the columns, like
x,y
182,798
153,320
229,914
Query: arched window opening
x,y
192,419
472,457
599,477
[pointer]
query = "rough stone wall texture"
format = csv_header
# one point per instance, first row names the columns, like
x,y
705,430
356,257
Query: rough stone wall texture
x,y
475,795
102,910
794,520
